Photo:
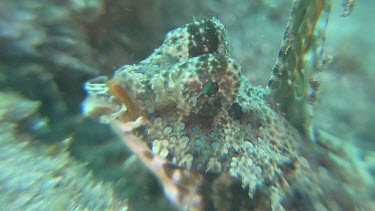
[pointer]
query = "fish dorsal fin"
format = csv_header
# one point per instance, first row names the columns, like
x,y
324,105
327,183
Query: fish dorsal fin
x,y
291,85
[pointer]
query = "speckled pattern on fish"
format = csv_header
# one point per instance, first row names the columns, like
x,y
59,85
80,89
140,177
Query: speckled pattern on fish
x,y
214,140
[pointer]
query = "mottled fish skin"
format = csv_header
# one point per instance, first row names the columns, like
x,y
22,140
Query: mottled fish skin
x,y
215,141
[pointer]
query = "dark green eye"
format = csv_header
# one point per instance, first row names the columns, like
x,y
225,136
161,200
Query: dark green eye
x,y
210,88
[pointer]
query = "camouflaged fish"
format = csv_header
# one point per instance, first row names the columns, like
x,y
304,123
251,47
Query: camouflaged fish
x,y
214,141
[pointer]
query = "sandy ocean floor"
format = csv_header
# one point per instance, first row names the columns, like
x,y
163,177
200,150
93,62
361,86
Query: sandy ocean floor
x,y
347,94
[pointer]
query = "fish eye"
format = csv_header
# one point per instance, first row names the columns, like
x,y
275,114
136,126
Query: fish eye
x,y
210,88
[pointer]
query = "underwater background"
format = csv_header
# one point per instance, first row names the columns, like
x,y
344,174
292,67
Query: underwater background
x,y
51,154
